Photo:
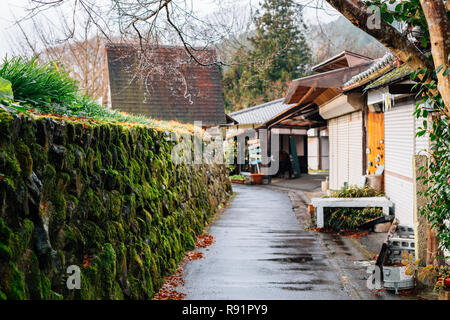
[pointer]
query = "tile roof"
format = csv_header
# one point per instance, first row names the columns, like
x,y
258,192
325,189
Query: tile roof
x,y
165,83
260,113
396,74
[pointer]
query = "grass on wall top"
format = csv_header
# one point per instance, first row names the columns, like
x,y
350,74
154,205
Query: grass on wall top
x,y
47,89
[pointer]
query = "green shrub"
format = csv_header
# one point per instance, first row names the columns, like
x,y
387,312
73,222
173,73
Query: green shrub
x,y
351,218
39,85
356,192
48,89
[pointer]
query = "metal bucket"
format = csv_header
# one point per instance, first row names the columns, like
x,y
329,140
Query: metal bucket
x,y
395,278
375,181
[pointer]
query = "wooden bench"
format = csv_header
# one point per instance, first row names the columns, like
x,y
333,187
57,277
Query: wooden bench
x,y
320,203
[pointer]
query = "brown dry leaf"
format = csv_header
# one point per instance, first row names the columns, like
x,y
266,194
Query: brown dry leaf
x,y
204,240
168,291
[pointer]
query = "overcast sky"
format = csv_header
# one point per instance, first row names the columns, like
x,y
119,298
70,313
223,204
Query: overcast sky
x,y
11,9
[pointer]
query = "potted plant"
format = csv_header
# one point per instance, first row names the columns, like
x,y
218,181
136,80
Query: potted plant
x,y
257,178
237,178
443,279
425,275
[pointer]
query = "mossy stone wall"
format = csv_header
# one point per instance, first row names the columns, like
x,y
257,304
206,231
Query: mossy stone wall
x,y
106,198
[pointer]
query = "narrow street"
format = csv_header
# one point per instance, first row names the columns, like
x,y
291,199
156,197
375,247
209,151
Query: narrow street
x,y
262,252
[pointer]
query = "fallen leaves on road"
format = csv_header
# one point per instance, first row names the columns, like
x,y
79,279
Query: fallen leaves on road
x,y
192,255
323,230
355,234
408,292
168,290
204,240
346,233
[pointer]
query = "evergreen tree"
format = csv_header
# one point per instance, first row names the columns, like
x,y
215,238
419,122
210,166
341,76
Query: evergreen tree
x,y
279,54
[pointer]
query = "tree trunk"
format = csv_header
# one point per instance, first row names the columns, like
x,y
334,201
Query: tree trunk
x,y
436,16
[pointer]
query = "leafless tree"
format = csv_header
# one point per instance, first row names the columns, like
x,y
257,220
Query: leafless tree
x,y
151,22
86,25
148,24
81,53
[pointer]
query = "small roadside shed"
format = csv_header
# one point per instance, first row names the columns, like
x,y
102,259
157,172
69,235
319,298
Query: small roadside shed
x,y
267,116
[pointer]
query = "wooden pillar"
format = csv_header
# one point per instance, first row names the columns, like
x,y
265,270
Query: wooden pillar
x,y
422,237
319,152
432,246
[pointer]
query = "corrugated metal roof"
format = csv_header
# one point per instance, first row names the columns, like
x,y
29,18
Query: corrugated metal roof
x,y
260,113
165,83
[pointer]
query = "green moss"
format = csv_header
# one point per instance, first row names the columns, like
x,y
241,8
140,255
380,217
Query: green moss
x,y
70,158
108,271
111,232
121,262
122,152
5,122
49,171
189,241
117,206
40,159
5,232
90,278
95,210
5,252
90,161
400,72
74,240
22,238
58,215
94,236
14,286
62,181
28,130
9,166
46,287
56,296
116,293
3,295
33,278
97,161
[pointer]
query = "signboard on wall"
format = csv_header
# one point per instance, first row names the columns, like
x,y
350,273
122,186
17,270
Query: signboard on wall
x,y
254,151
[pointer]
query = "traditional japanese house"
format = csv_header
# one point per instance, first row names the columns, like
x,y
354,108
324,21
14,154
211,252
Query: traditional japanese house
x,y
164,83
372,130
298,112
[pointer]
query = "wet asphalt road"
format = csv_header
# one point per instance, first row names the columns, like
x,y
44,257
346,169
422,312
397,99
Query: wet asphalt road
x,y
261,252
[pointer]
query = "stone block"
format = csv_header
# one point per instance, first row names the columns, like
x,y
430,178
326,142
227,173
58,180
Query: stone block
x,y
382,227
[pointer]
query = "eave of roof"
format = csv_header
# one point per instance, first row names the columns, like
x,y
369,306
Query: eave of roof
x,y
374,71
261,113
341,56
325,80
